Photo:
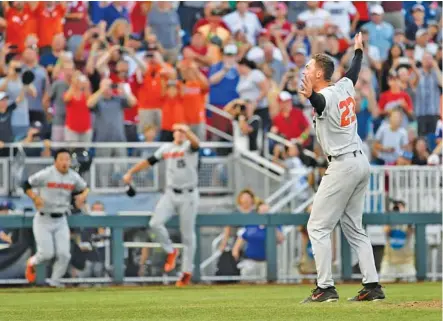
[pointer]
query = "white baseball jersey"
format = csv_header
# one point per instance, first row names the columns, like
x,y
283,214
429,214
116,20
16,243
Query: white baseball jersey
x,y
181,164
336,127
56,188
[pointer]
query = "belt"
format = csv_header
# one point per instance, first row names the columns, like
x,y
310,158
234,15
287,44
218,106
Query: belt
x,y
345,155
181,191
53,215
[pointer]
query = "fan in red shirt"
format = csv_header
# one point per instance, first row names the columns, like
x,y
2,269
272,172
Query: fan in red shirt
x,y
50,16
20,23
280,24
210,18
198,52
395,97
78,117
76,22
290,122
130,114
138,16
173,110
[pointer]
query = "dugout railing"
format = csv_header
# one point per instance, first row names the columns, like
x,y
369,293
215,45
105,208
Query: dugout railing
x,y
117,224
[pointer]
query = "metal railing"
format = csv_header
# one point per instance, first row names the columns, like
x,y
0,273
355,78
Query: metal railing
x,y
118,223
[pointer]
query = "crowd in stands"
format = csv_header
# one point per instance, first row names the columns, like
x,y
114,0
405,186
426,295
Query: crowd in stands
x,y
111,71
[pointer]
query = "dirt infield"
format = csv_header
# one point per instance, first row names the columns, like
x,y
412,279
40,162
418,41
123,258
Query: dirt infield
x,y
421,304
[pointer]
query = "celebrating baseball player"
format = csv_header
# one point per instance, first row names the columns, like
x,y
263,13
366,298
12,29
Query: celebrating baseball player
x,y
55,184
340,196
181,196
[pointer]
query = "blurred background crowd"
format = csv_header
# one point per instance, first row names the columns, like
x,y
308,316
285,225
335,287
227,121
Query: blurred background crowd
x,y
117,71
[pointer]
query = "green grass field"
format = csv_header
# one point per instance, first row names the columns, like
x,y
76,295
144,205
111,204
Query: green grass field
x,y
238,302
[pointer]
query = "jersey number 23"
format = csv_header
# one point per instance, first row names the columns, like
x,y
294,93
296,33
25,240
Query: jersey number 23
x,y
347,112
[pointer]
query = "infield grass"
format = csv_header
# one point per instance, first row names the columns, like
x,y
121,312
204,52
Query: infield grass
x,y
417,302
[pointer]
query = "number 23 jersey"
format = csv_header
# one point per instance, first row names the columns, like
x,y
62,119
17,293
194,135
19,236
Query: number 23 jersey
x,y
336,127
181,164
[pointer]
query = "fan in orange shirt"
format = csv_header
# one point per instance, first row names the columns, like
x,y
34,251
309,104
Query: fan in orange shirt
x,y
50,16
20,23
195,90
173,112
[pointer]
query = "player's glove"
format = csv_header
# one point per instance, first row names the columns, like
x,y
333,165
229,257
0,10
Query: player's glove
x,y
130,190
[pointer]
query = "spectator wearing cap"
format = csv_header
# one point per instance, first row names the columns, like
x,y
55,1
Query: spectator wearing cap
x,y
173,109
41,84
341,12
50,17
253,87
36,134
6,133
17,92
417,22
394,13
315,18
20,22
394,98
390,140
223,80
195,88
212,24
427,98
163,21
410,51
257,53
291,123
380,32
55,95
76,23
423,45
150,91
78,119
242,19
280,28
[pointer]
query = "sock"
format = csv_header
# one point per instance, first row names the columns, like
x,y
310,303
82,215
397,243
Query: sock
x,y
371,285
32,260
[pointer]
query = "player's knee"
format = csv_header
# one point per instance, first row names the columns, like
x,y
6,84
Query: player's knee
x,y
46,255
64,256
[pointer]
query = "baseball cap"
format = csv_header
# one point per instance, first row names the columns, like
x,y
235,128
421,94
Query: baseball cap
x,y
377,9
284,96
3,95
418,7
301,51
230,50
420,32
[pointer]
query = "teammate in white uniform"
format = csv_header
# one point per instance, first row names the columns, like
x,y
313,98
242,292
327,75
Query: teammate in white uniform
x,y
56,185
341,193
181,196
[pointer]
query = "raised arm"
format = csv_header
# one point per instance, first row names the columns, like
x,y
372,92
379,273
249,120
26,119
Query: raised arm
x,y
354,70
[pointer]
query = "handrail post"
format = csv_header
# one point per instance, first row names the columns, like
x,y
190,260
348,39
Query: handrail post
x,y
117,254
196,276
40,270
271,251
420,251
346,261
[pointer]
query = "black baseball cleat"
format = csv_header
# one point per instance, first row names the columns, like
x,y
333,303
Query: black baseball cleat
x,y
369,294
322,295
